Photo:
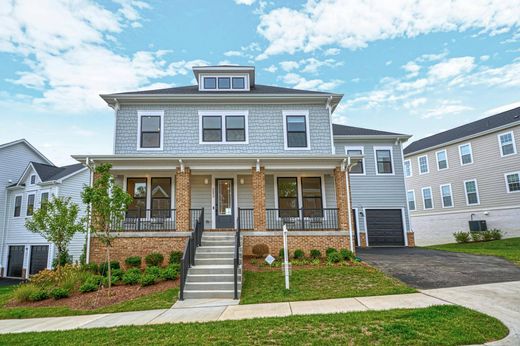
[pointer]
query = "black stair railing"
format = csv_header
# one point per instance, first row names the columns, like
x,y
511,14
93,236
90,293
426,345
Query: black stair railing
x,y
188,258
236,257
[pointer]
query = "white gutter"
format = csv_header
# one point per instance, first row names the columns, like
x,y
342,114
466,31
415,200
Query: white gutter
x,y
116,109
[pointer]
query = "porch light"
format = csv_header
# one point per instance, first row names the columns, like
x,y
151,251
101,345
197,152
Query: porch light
x,y
206,181
241,181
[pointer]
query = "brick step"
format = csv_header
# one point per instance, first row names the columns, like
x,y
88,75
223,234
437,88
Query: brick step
x,y
212,278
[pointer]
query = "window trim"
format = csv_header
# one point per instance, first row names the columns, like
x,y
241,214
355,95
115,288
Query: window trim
x,y
404,168
299,185
507,183
389,148
470,153
30,179
476,191
451,196
27,204
223,114
154,113
224,75
362,149
427,164
414,200
21,205
301,113
447,162
431,197
149,183
146,197
500,143
48,196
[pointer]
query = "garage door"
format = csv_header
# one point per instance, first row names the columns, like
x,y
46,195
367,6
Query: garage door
x,y
384,227
15,261
39,255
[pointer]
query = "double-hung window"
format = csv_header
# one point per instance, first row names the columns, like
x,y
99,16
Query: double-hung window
x,y
33,179
471,189
288,196
44,198
136,187
161,197
212,129
507,144
235,128
423,164
311,197
151,130
218,127
383,160
30,204
410,196
466,155
17,206
446,196
442,160
513,182
427,198
296,127
358,165
407,168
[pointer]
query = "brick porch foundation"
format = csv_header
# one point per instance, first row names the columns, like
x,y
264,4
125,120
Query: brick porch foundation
x,y
410,236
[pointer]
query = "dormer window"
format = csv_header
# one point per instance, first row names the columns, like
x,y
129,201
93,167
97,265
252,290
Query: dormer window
x,y
223,82
210,82
33,179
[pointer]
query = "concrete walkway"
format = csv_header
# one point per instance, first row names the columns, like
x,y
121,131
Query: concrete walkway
x,y
501,300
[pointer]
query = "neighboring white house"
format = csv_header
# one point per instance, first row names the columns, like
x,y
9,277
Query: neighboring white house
x,y
22,252
471,172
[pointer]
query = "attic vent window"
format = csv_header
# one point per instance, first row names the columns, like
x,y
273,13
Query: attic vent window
x,y
223,83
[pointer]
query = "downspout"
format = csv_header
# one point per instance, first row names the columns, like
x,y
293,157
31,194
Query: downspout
x,y
329,108
346,167
409,224
3,266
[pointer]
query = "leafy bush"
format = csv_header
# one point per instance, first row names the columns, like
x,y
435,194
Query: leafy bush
x,y
23,292
330,250
155,259
171,272
315,261
175,257
91,267
117,275
462,237
334,257
132,276
346,254
260,250
62,259
133,262
60,293
91,284
154,271
103,267
280,253
315,253
38,295
69,277
476,236
147,280
487,236
496,233
299,254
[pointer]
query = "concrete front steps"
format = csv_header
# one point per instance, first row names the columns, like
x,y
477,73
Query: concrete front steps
x,y
212,276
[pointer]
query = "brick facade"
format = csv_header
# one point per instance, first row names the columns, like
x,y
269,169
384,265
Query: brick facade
x,y
182,199
410,236
124,247
258,188
342,202
363,239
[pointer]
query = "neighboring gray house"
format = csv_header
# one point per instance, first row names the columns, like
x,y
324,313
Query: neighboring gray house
x,y
471,172
22,252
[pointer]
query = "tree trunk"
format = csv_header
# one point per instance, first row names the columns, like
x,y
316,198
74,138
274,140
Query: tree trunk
x,y
109,270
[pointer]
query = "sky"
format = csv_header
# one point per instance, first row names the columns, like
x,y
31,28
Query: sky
x,y
408,66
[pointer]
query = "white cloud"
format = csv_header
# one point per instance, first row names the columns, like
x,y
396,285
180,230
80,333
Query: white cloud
x,y
271,69
484,57
415,103
354,24
311,65
233,53
245,2
501,109
447,107
412,68
452,67
332,51
299,82
289,65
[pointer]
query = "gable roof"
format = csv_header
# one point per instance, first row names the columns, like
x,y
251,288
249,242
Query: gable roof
x,y
343,130
496,121
50,173
29,145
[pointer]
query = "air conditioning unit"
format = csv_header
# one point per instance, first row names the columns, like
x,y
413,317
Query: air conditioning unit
x,y
477,225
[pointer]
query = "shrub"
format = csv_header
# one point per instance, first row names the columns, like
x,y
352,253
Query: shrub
x,y
260,250
171,272
330,250
117,275
487,236
281,254
88,286
315,253
334,257
462,237
103,267
299,254
133,262
62,259
154,271
496,234
23,292
175,257
346,254
132,276
147,280
38,295
476,236
155,259
60,293
91,267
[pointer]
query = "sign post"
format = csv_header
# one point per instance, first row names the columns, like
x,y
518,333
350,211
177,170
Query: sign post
x,y
285,257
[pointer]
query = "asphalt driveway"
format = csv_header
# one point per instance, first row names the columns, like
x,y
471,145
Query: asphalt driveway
x,y
427,269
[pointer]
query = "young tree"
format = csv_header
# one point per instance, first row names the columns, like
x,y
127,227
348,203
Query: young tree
x,y
57,221
107,204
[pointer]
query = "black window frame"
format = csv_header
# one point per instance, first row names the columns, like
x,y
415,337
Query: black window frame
x,y
18,206
286,212
378,162
162,213
235,129
211,129
288,131
312,212
204,79
132,213
141,144
30,204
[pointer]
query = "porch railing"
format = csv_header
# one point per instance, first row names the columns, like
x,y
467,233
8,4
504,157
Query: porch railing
x,y
245,219
302,219
146,220
188,258
195,216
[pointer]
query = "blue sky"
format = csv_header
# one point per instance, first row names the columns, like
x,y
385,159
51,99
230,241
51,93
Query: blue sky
x,y
415,67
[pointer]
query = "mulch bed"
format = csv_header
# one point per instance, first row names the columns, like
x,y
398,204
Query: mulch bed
x,y
261,266
99,299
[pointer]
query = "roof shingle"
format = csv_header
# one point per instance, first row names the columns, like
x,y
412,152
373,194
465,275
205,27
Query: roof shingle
x,y
343,130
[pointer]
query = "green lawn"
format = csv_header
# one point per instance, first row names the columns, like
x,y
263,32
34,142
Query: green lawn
x,y
319,283
159,300
505,248
439,325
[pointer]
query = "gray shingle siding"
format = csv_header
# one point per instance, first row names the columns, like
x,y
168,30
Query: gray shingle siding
x,y
181,130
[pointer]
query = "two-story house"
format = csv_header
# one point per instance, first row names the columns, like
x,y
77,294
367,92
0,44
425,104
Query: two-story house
x,y
32,181
249,157
471,172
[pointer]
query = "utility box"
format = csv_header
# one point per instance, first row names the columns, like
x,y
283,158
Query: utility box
x,y
477,225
